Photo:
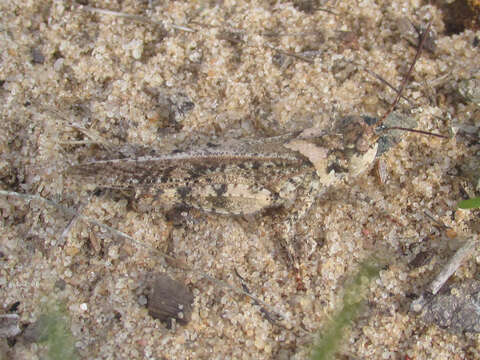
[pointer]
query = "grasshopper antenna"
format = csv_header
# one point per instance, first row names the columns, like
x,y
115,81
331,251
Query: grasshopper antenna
x,y
407,76
402,87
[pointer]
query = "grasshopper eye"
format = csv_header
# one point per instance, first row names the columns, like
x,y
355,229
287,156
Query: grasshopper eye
x,y
357,134
363,143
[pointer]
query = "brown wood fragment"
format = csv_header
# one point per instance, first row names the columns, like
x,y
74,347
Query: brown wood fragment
x,y
169,300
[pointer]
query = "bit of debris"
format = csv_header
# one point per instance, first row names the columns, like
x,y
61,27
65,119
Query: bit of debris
x,y
37,56
169,300
457,309
449,269
9,325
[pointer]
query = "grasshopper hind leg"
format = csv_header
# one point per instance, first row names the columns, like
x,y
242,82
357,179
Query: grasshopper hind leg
x,y
294,242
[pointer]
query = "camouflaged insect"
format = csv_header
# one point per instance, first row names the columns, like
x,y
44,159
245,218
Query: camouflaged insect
x,y
242,177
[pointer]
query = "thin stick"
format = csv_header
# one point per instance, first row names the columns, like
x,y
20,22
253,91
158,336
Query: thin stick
x,y
283,52
132,17
70,226
448,270
378,77
439,223
266,313
453,264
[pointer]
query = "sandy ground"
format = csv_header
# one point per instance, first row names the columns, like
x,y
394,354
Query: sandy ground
x,y
73,80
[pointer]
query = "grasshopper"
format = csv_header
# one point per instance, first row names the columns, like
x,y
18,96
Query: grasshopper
x,y
243,177
248,177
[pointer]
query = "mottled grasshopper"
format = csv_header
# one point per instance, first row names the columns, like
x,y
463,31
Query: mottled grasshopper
x,y
244,177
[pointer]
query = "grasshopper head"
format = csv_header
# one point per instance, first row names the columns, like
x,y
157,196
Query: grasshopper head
x,y
358,132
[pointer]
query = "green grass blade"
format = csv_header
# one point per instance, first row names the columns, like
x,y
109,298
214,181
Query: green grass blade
x,y
353,301
53,329
473,203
